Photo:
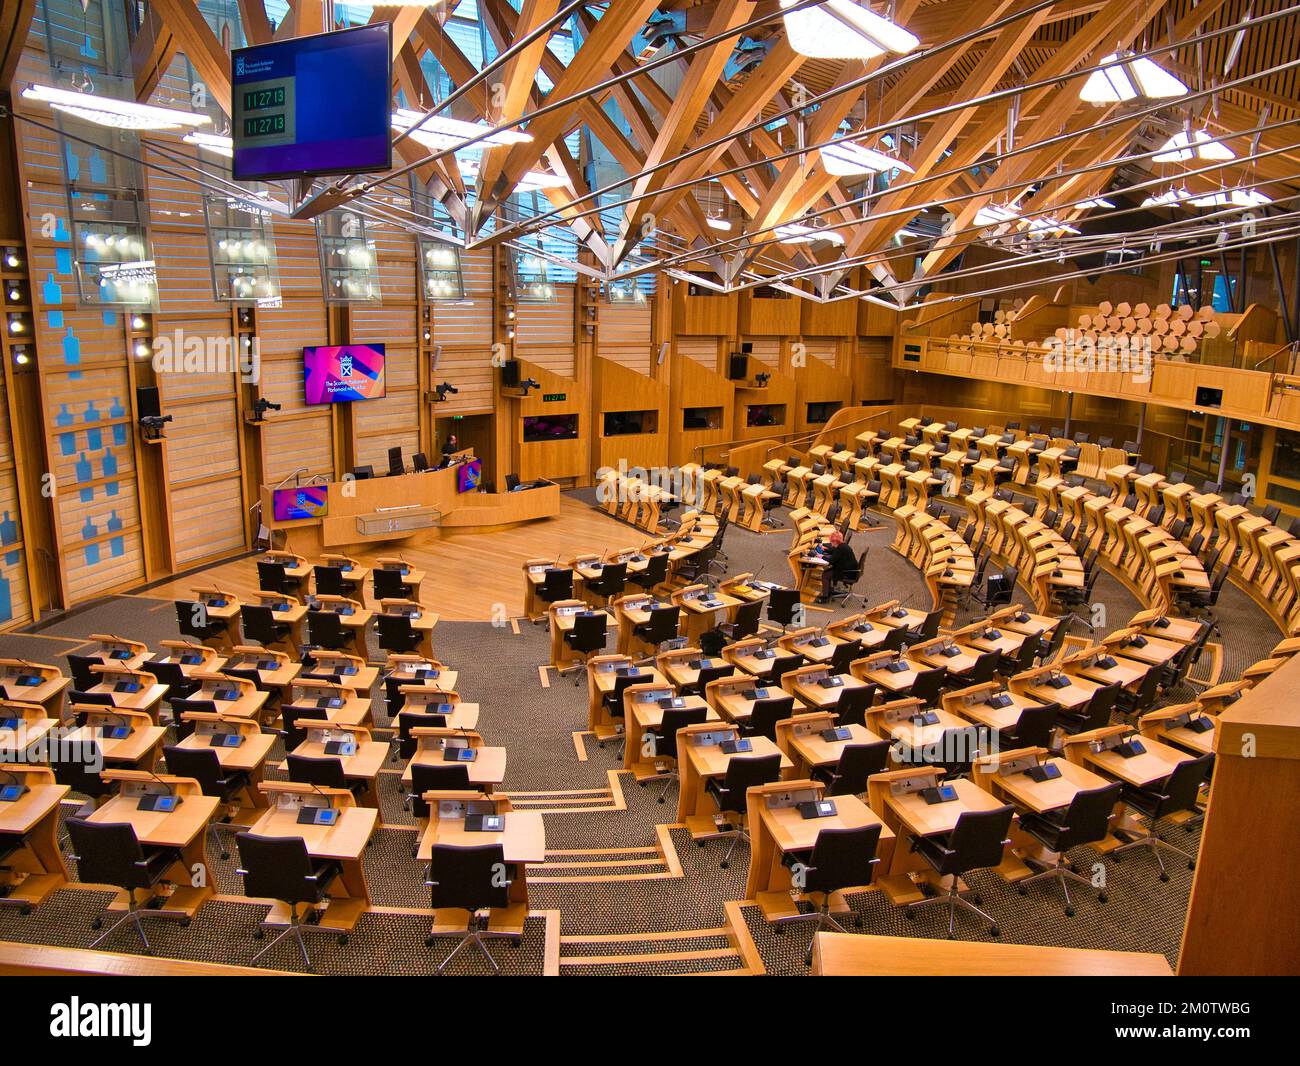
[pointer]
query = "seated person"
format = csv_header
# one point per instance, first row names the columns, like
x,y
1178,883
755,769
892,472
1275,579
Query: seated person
x,y
842,564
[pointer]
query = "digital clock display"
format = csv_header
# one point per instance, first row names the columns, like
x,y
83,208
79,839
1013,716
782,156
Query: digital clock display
x,y
260,99
264,125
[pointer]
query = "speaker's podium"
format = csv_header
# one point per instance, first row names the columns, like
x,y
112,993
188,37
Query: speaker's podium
x,y
401,507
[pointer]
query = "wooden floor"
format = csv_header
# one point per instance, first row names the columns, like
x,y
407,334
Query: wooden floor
x,y
471,576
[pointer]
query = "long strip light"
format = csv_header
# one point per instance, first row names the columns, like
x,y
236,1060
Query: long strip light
x,y
107,111
1168,198
441,133
1095,202
847,158
841,29
1194,144
1233,198
211,142
532,181
794,233
1127,77
995,215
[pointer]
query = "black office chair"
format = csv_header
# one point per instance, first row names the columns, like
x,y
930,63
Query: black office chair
x,y
660,627
661,743
857,762
844,654
705,677
388,585
1033,729
851,707
782,665
612,581
975,843
1135,702
396,466
765,714
512,482
840,859
204,766
743,773
927,630
999,588
363,473
982,670
419,462
654,574
260,626
1085,821
926,686
396,634
193,620
771,504
325,630
280,868
433,777
557,584
585,639
109,853
748,620
1178,792
1050,647
1202,603
404,721
83,677
470,879
784,608
71,764
271,578
330,582
848,591
170,674
323,771
1095,713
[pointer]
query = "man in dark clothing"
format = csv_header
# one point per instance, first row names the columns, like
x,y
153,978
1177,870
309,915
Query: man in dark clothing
x,y
841,563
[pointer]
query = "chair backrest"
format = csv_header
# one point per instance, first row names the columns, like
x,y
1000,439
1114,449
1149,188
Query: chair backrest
x,y
613,578
258,623
395,633
589,631
277,868
188,615
749,616
662,623
108,853
675,718
927,684
748,771
1183,785
782,665
1087,819
557,584
655,572
851,708
408,720
713,673
325,771
202,764
1058,639
977,839
469,878
329,581
325,630
857,763
419,462
435,777
842,858
94,699
82,676
389,584
1034,727
1100,704
844,655
767,712
930,627
271,576
985,666
781,605
74,765
289,715
395,464
512,482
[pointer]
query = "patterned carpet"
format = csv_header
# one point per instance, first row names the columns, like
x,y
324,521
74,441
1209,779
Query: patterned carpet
x,y
498,669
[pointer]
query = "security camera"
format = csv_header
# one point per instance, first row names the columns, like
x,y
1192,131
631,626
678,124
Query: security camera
x,y
261,406
442,391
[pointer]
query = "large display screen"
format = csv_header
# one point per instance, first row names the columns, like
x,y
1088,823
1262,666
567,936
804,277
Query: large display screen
x,y
305,501
313,105
468,476
341,373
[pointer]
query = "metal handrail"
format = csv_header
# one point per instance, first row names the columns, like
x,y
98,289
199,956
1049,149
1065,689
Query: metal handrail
x,y
785,439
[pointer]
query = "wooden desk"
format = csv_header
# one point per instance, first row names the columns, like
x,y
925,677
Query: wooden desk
x,y
138,750
847,955
643,714
29,729
37,870
562,615
48,691
486,771
1141,771
700,757
801,739
248,757
362,765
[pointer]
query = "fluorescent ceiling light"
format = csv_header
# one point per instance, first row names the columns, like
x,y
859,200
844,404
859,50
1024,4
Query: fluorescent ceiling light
x,y
719,224
1170,198
840,29
794,233
1129,77
211,142
995,215
107,111
441,133
532,181
1233,198
1197,144
846,158
1041,227
1096,201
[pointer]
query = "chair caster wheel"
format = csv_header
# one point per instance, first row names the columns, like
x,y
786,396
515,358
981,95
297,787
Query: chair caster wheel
x,y
514,943
428,941
342,939
977,901
779,930
661,799
1191,864
1114,858
414,852
225,856
1102,897
641,783
699,843
857,922
260,934
1164,877
185,923
25,911
148,951
911,915
724,864
951,936
1022,890
994,931
1069,912
98,923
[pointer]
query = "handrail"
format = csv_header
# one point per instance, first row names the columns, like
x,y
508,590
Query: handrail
x,y
845,425
784,439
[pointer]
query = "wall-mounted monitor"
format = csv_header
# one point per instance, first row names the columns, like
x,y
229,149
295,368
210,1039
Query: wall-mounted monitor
x,y
1208,397
343,373
313,105
305,501
469,475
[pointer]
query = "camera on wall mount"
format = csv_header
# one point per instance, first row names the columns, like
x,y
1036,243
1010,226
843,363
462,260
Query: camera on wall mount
x,y
761,380
529,383
151,426
260,406
441,392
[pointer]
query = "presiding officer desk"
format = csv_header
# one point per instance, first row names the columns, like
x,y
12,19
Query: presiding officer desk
x,y
407,507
